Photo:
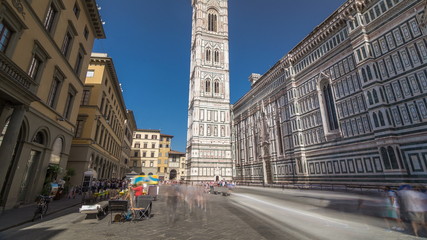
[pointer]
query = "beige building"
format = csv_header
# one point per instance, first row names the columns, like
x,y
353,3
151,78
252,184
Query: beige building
x,y
164,148
44,48
100,130
145,151
176,166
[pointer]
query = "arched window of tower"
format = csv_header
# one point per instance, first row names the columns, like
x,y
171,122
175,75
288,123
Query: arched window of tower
x,y
208,85
208,55
216,87
216,56
212,20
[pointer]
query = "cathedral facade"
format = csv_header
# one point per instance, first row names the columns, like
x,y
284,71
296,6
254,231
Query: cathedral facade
x,y
347,105
208,151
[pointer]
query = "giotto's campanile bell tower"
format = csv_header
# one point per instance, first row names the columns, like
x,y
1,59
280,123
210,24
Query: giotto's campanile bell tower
x,y
209,134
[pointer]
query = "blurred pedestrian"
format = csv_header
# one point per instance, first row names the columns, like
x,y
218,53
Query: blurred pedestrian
x,y
414,202
392,210
72,192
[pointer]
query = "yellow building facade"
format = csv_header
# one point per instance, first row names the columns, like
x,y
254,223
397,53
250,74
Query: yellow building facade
x,y
162,162
99,144
44,53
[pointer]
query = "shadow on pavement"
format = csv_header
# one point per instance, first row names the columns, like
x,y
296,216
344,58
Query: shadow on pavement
x,y
33,234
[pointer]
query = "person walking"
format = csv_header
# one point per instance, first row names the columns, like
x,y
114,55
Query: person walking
x,y
414,202
392,210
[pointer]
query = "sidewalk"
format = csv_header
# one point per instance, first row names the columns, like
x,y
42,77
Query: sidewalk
x,y
18,216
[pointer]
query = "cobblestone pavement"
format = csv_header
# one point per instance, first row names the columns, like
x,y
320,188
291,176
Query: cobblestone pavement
x,y
220,220
224,218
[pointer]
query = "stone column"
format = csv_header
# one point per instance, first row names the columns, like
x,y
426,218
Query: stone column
x,y
9,141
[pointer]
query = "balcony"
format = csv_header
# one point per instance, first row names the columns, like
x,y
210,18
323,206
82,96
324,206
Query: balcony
x,y
15,84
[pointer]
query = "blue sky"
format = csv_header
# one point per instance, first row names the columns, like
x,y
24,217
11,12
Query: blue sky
x,y
149,41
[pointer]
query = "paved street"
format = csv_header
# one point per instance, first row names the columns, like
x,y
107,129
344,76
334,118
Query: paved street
x,y
249,213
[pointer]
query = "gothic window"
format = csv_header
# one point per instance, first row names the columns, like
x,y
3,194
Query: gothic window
x,y
370,98
389,158
385,157
375,95
216,56
208,86
374,115
208,55
381,117
216,87
212,21
330,107
365,79
375,71
382,95
393,159
368,71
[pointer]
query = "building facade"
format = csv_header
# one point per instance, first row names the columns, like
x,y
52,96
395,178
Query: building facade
x,y
176,166
44,54
347,105
130,127
100,130
162,162
145,151
208,149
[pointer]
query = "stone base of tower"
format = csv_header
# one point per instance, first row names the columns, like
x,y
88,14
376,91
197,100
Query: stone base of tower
x,y
205,172
199,179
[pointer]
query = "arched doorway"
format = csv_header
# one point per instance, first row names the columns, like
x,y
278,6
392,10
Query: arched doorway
x,y
172,174
39,143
